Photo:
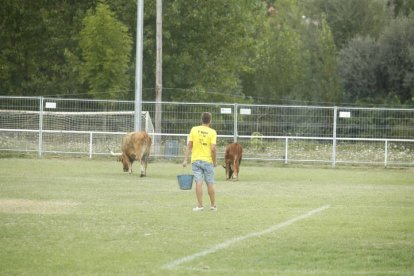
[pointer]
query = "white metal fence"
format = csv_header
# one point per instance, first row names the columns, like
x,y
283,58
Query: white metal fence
x,y
287,134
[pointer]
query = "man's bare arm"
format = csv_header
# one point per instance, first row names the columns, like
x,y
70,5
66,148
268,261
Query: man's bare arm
x,y
187,153
214,154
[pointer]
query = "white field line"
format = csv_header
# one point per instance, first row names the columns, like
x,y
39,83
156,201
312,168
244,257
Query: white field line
x,y
229,242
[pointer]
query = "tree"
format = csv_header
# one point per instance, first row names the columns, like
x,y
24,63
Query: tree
x,y
396,55
359,71
296,59
401,7
381,71
106,49
349,18
206,45
281,68
280,58
324,84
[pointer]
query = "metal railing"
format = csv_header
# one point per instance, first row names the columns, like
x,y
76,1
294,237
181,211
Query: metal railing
x,y
334,135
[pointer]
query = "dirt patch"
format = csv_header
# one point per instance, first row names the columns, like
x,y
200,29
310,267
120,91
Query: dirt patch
x,y
25,206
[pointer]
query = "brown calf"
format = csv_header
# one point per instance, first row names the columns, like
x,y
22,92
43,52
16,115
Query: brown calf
x,y
135,146
232,160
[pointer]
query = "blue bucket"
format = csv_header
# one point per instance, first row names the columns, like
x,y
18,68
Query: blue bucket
x,y
185,181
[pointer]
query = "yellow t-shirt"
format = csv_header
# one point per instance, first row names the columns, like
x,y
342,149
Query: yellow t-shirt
x,y
202,137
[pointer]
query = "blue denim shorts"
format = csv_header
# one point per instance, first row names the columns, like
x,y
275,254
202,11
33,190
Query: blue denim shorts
x,y
203,170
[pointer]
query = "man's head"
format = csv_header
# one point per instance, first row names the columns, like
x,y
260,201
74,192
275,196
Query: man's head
x,y
206,118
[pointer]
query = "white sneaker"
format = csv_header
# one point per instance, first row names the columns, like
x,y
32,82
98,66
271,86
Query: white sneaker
x,y
213,208
196,209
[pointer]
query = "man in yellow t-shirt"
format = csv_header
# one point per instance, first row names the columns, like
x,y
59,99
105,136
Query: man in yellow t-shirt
x,y
202,146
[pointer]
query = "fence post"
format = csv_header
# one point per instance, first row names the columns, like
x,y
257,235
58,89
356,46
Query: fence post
x,y
90,144
334,136
286,149
235,134
386,153
40,126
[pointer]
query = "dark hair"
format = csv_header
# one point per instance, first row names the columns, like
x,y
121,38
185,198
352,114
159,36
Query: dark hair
x,y
206,117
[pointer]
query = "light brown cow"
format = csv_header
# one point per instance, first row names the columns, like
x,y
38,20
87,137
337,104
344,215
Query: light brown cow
x,y
232,159
135,146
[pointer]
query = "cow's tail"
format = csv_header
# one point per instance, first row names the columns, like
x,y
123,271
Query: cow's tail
x,y
115,154
241,154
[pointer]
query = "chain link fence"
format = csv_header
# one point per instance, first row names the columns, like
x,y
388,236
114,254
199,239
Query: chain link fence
x,y
333,135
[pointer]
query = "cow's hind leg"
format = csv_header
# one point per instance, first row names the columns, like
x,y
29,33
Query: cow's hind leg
x,y
233,172
131,161
144,162
142,167
229,171
236,170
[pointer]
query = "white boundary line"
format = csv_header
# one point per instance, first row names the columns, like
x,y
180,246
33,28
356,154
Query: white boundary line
x,y
229,242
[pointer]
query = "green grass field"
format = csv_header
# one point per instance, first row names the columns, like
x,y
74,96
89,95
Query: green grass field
x,y
87,217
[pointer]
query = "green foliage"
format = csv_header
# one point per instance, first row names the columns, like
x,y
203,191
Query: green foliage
x,y
397,46
200,94
296,59
359,70
401,7
256,142
207,44
33,39
350,18
106,48
322,85
233,51
380,71
281,60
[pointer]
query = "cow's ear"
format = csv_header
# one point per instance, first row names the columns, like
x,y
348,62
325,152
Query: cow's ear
x,y
224,166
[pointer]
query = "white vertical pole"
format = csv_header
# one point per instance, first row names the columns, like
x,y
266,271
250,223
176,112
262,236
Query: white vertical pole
x,y
334,137
286,150
138,64
90,144
40,126
386,154
236,131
